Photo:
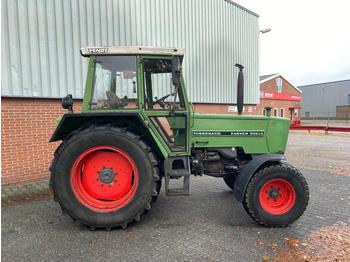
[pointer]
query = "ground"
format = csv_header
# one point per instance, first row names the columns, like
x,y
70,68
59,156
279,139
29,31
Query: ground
x,y
209,225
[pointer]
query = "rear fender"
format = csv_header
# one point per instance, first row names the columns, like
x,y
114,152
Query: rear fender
x,y
248,171
72,122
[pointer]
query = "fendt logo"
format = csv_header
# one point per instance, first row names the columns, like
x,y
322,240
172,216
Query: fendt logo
x,y
98,50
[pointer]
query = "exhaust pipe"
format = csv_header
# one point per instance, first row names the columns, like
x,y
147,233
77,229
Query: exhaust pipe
x,y
240,89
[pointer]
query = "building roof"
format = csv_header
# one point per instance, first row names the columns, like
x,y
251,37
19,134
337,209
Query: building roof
x,y
264,77
130,50
334,84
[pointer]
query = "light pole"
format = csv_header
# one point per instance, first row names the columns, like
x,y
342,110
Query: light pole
x,y
266,30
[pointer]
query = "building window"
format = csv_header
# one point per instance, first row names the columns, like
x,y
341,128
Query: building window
x,y
307,114
275,111
264,112
281,112
279,83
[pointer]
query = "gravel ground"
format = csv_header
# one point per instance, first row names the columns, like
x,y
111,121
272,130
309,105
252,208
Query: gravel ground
x,y
209,225
321,152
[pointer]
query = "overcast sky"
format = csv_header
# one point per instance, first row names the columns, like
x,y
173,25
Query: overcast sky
x,y
309,41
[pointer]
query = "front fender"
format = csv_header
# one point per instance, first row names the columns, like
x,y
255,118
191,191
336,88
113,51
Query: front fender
x,y
247,172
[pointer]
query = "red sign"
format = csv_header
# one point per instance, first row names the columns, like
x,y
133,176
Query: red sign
x,y
280,96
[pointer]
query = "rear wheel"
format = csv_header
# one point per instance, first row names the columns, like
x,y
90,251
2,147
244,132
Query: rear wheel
x,y
276,196
105,177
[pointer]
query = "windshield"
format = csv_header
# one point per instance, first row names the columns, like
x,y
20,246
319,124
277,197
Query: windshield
x,y
115,85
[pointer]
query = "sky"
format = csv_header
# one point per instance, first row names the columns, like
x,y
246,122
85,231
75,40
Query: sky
x,y
309,41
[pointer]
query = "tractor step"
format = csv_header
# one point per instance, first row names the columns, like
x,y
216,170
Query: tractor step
x,y
176,168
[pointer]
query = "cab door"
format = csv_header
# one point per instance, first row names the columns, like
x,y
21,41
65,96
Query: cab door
x,y
165,103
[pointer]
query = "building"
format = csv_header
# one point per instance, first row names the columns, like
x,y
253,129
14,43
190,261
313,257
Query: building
x,y
283,97
320,101
41,61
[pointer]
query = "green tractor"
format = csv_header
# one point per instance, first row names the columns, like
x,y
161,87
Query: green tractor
x,y
137,128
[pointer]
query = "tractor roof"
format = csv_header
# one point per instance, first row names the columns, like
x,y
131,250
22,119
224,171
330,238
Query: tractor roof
x,y
130,50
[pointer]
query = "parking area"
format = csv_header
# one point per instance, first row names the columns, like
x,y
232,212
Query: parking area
x,y
209,225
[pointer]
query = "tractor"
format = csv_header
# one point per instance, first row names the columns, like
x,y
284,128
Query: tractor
x,y
138,128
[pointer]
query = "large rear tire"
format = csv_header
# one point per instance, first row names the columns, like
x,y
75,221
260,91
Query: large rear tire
x,y
276,196
105,177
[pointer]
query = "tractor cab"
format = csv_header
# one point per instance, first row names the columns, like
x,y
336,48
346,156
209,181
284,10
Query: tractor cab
x,y
140,79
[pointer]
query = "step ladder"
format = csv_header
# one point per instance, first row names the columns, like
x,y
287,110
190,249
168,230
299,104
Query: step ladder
x,y
177,168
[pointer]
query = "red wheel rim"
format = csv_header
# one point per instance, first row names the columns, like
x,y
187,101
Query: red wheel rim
x,y
104,178
277,196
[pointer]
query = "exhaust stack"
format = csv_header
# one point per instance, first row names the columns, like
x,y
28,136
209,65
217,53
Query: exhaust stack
x,y
240,89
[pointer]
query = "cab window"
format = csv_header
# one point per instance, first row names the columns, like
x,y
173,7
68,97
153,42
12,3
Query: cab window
x,y
115,83
160,93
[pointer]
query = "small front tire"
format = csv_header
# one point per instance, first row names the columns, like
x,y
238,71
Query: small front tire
x,y
276,196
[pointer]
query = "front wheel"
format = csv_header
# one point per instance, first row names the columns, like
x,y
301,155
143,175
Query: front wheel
x,y
276,196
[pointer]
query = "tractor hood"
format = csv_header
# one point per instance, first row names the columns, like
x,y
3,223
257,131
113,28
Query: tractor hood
x,y
255,134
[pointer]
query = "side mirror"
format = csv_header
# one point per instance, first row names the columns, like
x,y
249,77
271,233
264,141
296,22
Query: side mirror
x,y
175,71
67,103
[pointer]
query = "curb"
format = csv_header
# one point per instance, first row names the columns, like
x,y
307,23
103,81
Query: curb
x,y
20,190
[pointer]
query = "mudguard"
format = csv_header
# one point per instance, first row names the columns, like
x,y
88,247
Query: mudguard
x,y
247,172
71,122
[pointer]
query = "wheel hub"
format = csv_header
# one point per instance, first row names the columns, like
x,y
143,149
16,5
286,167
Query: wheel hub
x,y
104,178
274,193
277,196
106,175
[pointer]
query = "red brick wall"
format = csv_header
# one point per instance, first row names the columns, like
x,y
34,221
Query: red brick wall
x,y
26,127
223,109
271,85
278,104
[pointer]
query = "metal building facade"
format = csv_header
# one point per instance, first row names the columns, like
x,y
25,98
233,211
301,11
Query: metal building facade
x,y
41,41
321,100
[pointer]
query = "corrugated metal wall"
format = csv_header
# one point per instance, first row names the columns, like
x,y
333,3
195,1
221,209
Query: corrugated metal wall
x,y
321,100
41,41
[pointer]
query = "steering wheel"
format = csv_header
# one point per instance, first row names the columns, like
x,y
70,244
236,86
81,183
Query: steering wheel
x,y
161,102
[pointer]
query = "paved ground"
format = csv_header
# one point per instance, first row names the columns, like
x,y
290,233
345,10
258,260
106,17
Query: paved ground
x,y
209,225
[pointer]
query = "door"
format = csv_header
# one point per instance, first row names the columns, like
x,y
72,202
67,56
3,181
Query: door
x,y
165,104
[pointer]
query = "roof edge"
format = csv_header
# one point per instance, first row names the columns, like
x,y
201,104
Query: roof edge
x,y
337,81
269,78
126,50
242,7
